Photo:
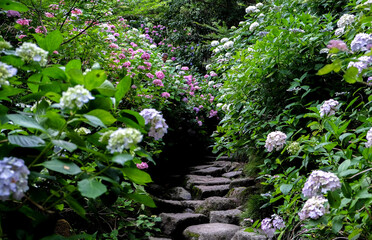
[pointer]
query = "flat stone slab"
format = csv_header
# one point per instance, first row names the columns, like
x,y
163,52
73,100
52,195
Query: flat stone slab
x,y
172,224
192,204
211,231
232,174
169,206
231,216
242,182
155,238
242,235
202,192
178,193
217,203
192,180
214,171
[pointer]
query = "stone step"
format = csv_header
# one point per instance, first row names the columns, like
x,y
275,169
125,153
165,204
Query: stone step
x,y
242,182
169,206
243,235
216,203
211,231
202,192
231,216
178,193
211,170
173,224
156,238
233,174
192,180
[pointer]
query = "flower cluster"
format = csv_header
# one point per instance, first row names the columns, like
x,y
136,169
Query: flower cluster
x,y
361,42
252,9
228,45
13,178
329,108
142,165
6,71
313,208
253,26
345,20
339,44
31,52
123,138
158,127
362,64
75,97
369,138
270,225
320,182
275,140
293,148
214,43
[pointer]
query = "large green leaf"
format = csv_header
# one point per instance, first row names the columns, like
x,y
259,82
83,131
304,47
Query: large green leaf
x,y
25,121
122,88
326,69
352,75
73,64
26,141
91,188
7,91
286,188
334,199
33,82
94,121
142,198
12,60
107,89
137,176
94,79
55,72
75,205
69,168
103,115
65,145
122,158
337,224
134,116
53,40
12,5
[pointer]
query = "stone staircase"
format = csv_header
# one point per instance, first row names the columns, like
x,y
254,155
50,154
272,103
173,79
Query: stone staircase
x,y
204,204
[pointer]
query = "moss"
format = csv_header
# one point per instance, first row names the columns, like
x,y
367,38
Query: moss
x,y
192,236
253,210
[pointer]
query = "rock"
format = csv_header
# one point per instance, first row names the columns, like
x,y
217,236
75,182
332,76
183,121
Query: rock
x,y
172,224
233,174
192,180
242,235
242,182
214,171
169,206
201,167
155,189
155,238
211,231
217,203
202,192
178,193
228,216
241,193
193,204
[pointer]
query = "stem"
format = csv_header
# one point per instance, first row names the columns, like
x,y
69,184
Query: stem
x,y
360,173
38,205
67,14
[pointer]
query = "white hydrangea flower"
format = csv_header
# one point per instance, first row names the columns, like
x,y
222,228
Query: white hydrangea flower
x,y
313,208
259,5
369,138
253,26
228,55
123,138
83,131
75,97
320,182
31,52
153,46
208,67
340,31
251,9
6,71
214,43
5,45
345,20
324,50
275,140
228,44
224,40
293,148
329,108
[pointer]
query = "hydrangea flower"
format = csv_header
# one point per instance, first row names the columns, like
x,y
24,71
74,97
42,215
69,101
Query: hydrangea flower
x,y
5,45
158,127
360,42
362,64
314,208
270,225
369,138
293,148
275,140
320,182
223,40
142,165
6,71
31,52
345,20
75,97
339,31
253,26
158,82
329,108
228,45
252,9
123,138
339,44
13,178
11,13
165,95
160,75
214,43
83,131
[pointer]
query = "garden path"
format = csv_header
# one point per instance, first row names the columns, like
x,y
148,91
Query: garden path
x,y
205,203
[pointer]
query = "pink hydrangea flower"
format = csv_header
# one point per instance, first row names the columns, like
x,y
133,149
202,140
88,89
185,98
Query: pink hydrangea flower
x,y
22,36
145,56
165,95
158,82
126,64
160,75
49,15
148,64
40,29
142,165
212,113
23,22
339,44
141,67
149,75
113,45
121,56
184,68
134,86
76,11
55,52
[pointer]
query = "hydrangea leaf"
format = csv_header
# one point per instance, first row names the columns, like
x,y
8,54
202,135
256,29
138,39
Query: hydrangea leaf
x,y
142,198
337,223
94,79
11,5
137,176
94,121
25,121
65,145
107,89
334,199
91,188
68,168
26,141
326,69
122,88
286,188
122,158
103,115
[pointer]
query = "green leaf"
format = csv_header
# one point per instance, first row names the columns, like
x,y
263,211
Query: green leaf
x,y
122,88
326,69
107,89
11,5
91,188
94,79
55,73
76,76
65,145
286,188
53,96
134,116
142,198
345,135
351,75
75,205
94,121
33,82
55,120
122,158
348,172
334,199
337,223
25,121
355,234
53,40
343,166
7,91
346,190
26,141
69,168
12,60
73,64
137,176
364,194
103,115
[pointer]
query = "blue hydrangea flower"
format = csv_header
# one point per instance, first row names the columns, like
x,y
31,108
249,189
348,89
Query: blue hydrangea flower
x,y
158,127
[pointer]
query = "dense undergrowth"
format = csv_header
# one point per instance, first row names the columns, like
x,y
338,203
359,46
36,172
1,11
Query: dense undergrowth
x,y
97,95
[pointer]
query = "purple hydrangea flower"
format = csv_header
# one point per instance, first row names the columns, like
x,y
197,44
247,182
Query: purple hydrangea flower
x,y
314,208
270,225
158,127
13,178
362,64
275,140
320,182
360,42
12,13
339,44
329,108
